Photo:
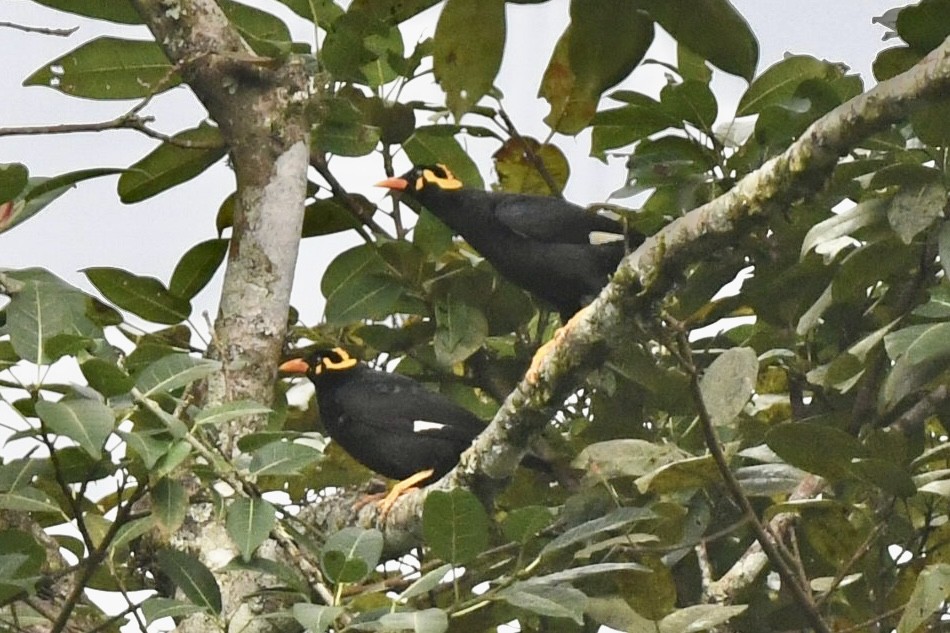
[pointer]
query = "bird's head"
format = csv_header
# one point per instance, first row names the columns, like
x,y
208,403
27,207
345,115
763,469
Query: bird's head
x,y
423,178
320,362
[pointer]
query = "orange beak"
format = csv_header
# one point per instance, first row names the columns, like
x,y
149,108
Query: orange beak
x,y
396,184
295,366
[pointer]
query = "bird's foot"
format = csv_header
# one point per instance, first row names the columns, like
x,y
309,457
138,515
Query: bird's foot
x,y
400,489
534,371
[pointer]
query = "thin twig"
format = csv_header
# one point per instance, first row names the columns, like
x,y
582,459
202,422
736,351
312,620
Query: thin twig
x,y
343,196
40,29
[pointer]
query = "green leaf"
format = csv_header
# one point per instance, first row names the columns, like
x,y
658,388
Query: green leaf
x,y
219,414
281,458
728,383
169,504
556,601
466,59
893,61
87,422
325,216
700,617
13,179
924,25
598,528
914,209
519,174
455,525
316,618
599,48
196,267
359,47
109,68
147,447
712,29
44,307
460,329
426,583
523,524
691,102
344,130
626,458
106,377
249,524
146,297
425,621
173,371
192,577
817,448
121,11
357,287
865,213
172,164
156,608
264,32
683,474
779,83
638,119
586,571
28,499
351,554
930,592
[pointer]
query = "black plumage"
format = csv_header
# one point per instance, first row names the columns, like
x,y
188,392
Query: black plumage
x,y
389,423
556,250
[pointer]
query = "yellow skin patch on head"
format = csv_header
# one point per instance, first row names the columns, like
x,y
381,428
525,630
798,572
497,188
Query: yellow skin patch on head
x,y
346,362
448,182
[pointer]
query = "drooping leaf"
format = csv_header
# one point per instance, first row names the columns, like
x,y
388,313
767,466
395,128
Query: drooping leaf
x,y
711,28
264,32
465,59
173,371
640,117
146,297
196,267
914,209
460,329
345,129
157,607
121,11
728,383
817,448
45,307
316,618
219,414
555,601
699,617
249,523
351,554
169,504
106,377
282,459
454,525
192,577
109,68
29,499
930,592
426,621
598,528
516,163
778,84
357,286
87,422
173,162
359,47
598,49
426,583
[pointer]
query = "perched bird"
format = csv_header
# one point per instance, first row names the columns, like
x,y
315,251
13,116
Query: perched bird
x,y
557,251
389,423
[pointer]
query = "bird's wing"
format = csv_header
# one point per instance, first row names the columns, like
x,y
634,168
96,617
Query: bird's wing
x,y
552,220
395,404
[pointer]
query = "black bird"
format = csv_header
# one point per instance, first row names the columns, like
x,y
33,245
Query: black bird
x,y
389,423
556,250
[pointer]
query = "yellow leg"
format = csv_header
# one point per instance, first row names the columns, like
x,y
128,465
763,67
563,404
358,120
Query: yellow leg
x,y
400,489
545,350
